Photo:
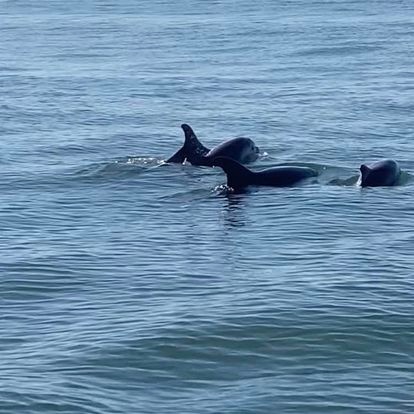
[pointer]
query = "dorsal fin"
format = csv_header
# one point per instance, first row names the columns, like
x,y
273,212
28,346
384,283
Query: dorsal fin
x,y
192,150
238,176
178,157
192,143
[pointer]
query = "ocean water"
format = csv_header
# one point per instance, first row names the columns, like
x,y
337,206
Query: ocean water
x,y
131,286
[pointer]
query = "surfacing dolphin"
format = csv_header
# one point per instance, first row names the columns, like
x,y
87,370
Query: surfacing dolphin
x,y
239,177
380,173
242,150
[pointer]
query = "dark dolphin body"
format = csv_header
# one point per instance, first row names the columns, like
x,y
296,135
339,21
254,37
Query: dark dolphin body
x,y
381,173
242,150
239,176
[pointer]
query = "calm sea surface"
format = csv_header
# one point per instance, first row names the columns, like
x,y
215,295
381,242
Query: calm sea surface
x,y
129,286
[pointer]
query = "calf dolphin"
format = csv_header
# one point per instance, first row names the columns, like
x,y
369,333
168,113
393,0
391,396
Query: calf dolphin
x,y
239,176
242,150
380,173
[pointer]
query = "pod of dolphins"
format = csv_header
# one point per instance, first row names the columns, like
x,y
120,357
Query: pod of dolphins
x,y
231,154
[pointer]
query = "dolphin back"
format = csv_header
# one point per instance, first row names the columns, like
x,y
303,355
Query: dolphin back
x,y
283,176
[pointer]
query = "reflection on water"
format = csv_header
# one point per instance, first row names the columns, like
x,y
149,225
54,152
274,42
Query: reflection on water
x,y
234,209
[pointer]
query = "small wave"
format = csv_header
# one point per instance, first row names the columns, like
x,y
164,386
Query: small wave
x,y
405,178
339,50
117,169
345,182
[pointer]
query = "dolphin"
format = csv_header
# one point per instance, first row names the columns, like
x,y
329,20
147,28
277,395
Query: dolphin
x,y
380,173
238,176
242,150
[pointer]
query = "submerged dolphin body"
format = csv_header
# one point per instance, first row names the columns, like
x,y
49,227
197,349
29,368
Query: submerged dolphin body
x,y
380,173
242,150
239,177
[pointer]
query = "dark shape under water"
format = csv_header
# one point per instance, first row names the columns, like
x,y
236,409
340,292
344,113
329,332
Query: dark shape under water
x,y
239,177
242,150
380,173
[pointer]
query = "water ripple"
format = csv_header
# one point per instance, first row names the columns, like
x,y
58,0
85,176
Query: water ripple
x,y
131,285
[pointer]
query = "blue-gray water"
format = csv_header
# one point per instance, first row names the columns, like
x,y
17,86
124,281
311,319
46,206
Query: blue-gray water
x,y
128,286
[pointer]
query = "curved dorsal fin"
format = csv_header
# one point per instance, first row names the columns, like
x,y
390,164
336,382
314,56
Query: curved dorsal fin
x,y
191,141
192,150
238,176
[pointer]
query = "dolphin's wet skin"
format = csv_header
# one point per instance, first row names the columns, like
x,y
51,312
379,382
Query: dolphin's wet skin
x,y
239,177
240,149
380,174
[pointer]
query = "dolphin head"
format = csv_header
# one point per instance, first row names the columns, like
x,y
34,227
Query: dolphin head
x,y
251,151
381,173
